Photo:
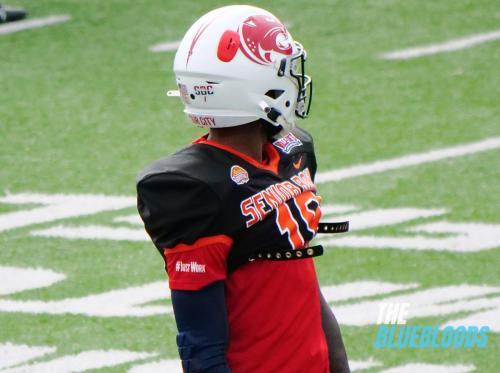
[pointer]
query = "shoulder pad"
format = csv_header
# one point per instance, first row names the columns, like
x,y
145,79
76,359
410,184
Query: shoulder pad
x,y
186,161
169,204
193,162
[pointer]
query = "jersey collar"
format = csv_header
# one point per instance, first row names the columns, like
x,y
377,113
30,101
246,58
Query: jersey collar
x,y
271,164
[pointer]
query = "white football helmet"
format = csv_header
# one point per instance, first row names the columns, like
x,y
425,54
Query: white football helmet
x,y
238,64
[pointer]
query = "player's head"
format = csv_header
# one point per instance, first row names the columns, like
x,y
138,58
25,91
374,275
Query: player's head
x,y
239,64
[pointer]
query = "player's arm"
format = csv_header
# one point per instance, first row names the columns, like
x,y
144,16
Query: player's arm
x,y
203,328
336,351
181,215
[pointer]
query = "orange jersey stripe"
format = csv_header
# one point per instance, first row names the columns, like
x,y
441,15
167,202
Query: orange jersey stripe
x,y
270,152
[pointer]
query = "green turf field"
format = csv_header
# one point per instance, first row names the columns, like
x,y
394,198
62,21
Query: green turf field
x,y
83,109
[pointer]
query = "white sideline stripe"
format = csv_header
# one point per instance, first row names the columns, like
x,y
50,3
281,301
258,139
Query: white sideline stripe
x,y
382,217
461,237
134,219
56,199
430,302
58,206
162,366
337,209
17,279
83,361
128,302
426,368
32,23
408,160
169,46
448,46
93,232
13,354
484,318
358,289
356,365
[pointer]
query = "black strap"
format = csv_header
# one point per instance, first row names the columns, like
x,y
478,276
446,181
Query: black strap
x,y
304,253
339,227
288,254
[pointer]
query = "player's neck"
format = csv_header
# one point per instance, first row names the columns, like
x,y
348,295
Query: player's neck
x,y
248,139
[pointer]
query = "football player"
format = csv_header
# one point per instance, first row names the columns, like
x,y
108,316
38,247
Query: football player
x,y
233,213
11,15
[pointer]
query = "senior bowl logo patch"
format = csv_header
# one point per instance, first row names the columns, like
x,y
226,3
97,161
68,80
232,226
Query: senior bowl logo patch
x,y
287,143
239,175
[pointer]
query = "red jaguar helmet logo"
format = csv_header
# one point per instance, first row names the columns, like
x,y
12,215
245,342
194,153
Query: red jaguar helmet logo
x,y
262,36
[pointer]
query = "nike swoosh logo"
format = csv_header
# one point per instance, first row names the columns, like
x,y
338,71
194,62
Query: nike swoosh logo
x,y
297,164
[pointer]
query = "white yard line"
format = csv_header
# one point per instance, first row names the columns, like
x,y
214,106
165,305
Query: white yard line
x,y
430,302
161,366
382,217
9,28
408,160
134,219
359,289
425,368
356,365
448,46
17,279
337,209
13,354
127,302
93,232
169,46
58,206
86,360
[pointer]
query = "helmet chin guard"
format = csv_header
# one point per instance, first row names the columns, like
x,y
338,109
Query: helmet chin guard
x,y
238,64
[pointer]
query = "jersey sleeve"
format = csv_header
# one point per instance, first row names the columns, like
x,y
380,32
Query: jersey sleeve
x,y
180,215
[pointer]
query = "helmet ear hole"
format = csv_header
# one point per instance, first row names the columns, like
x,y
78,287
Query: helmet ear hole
x,y
274,93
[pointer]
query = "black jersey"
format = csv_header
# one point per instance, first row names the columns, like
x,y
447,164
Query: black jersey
x,y
211,211
208,190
